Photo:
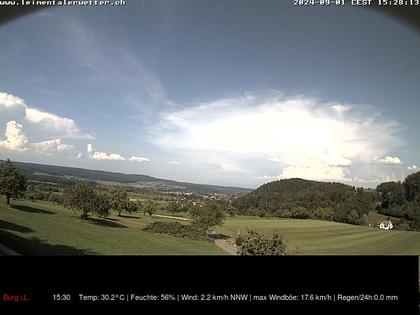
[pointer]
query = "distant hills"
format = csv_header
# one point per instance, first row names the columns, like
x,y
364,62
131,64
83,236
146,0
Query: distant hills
x,y
68,175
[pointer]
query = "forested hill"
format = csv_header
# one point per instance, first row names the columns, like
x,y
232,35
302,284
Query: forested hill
x,y
299,198
68,175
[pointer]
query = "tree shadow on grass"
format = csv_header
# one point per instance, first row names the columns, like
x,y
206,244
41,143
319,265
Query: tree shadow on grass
x,y
218,236
105,223
111,219
5,225
35,246
130,217
31,209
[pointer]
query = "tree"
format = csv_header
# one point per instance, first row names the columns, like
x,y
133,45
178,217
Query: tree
x,y
12,181
149,208
412,187
257,244
134,206
119,200
208,215
392,194
174,207
81,198
101,205
323,214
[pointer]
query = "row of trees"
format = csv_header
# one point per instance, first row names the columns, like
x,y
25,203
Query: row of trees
x,y
82,198
303,199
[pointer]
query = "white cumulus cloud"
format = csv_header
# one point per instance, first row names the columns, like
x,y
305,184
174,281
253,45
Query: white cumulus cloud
x,y
16,139
389,160
174,162
412,167
44,122
106,156
97,155
51,146
306,137
139,159
61,126
229,167
8,101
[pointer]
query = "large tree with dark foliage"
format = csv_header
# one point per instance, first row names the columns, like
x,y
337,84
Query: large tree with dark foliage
x,y
12,182
208,215
82,198
392,198
119,200
412,187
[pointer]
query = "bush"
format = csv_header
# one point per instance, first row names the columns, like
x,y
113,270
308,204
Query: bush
x,y
323,214
300,213
239,240
256,244
404,226
191,231
285,214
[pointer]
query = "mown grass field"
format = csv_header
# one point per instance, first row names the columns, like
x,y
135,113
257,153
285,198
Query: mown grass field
x,y
40,227
326,237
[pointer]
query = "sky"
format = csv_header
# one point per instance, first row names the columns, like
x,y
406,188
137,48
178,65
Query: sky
x,y
233,93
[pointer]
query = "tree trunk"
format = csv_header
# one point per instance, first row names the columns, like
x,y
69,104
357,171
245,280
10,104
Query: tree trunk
x,y
8,199
119,212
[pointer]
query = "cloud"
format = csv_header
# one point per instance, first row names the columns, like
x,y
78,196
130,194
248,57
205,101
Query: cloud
x,y
16,139
8,101
42,121
174,162
228,167
97,155
61,126
106,156
51,146
307,138
389,160
412,168
139,159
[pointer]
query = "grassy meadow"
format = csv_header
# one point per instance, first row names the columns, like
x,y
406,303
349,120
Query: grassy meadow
x,y
315,237
42,227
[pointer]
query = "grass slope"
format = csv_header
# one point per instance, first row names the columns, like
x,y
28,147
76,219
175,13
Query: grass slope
x,y
326,237
46,228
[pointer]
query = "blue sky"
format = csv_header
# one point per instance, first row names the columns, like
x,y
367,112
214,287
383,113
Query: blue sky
x,y
219,92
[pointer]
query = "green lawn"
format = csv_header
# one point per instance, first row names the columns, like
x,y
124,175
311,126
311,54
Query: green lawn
x,y
326,237
42,227
39,227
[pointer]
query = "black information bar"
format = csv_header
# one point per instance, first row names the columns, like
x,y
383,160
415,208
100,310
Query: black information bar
x,y
384,283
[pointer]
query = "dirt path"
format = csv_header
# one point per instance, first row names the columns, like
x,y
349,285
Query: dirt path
x,y
170,217
220,242
226,246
